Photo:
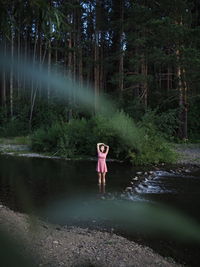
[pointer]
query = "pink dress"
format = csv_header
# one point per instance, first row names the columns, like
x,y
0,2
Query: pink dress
x,y
101,164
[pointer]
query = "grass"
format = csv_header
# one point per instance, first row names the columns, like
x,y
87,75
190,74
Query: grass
x,y
18,140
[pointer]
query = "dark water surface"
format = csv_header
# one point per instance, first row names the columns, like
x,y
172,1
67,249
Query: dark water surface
x,y
181,191
41,181
29,184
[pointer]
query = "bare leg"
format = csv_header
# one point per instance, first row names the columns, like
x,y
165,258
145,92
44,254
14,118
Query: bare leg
x,y
99,188
104,177
103,188
99,175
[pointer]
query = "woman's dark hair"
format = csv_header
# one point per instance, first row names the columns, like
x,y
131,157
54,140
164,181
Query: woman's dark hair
x,y
104,148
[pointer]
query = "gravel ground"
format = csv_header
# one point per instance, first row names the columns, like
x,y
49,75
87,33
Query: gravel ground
x,y
52,245
188,153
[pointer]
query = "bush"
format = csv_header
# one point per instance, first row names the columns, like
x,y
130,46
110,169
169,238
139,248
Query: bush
x,y
139,144
193,119
166,123
155,148
50,139
13,127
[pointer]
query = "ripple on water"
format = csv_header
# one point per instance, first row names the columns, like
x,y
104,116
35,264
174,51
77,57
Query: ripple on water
x,y
136,198
163,182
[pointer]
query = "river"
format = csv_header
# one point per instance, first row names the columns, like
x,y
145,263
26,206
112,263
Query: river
x,y
31,184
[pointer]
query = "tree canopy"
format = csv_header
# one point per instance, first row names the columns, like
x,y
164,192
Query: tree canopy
x,y
144,54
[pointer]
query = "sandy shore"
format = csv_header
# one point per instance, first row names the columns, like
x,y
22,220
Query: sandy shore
x,y
52,245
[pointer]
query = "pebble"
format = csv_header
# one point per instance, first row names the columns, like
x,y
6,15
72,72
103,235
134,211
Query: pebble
x,y
138,173
128,188
78,250
187,170
135,178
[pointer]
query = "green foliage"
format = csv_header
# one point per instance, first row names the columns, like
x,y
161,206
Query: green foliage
x,y
193,119
44,114
50,139
166,123
155,149
18,124
13,127
141,144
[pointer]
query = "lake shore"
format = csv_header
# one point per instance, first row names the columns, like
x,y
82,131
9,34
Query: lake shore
x,y
187,154
53,245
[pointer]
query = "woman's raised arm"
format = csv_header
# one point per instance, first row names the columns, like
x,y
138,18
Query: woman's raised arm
x,y
98,145
107,148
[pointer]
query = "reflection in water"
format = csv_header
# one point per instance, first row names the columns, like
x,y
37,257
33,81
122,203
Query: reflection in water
x,y
45,181
102,188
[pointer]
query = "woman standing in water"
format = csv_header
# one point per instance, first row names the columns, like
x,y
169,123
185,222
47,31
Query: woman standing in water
x,y
102,151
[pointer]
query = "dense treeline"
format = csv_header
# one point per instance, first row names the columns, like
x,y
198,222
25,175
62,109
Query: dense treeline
x,y
144,54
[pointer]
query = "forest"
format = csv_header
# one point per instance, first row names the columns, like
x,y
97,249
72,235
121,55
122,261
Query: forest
x,y
142,55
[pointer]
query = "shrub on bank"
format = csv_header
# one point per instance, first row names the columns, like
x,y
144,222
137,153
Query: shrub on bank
x,y
140,144
13,127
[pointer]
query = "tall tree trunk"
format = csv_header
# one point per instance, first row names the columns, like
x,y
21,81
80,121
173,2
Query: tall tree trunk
x,y
18,52
183,105
121,55
4,82
34,58
56,56
68,59
49,69
69,65
102,67
96,55
80,52
40,61
96,69
80,67
144,87
182,89
74,58
11,71
34,86
136,86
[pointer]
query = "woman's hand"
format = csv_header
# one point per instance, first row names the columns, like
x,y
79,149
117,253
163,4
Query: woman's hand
x,y
107,148
98,145
105,145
